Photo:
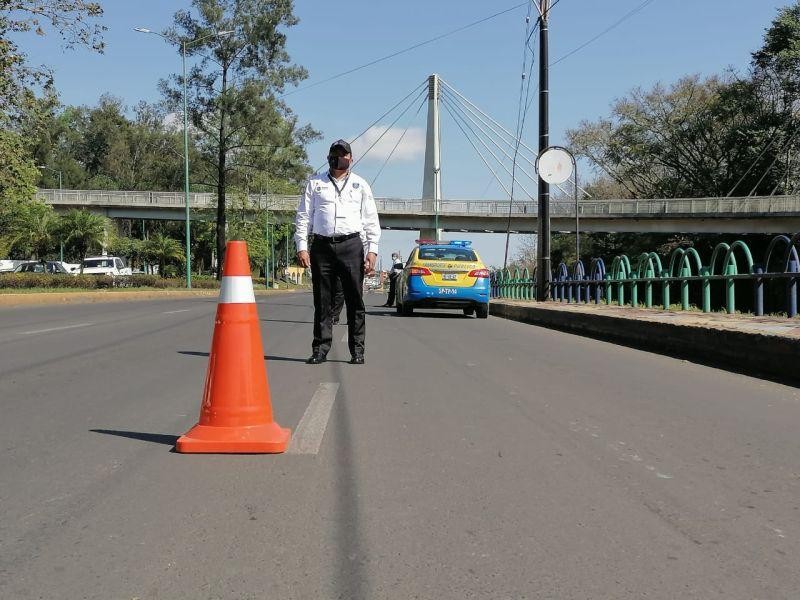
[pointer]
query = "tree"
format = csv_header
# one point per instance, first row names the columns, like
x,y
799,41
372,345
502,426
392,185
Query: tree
x,y
70,18
240,123
163,250
695,138
36,230
84,231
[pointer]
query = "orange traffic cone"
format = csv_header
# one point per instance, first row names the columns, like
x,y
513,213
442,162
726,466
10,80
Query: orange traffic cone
x,y
236,415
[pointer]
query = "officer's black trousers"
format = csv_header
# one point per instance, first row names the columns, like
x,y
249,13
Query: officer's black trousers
x,y
329,261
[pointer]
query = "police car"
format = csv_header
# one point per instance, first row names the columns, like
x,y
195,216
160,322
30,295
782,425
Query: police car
x,y
444,275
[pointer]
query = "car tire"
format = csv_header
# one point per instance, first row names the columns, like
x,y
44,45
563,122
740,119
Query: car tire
x,y
469,311
408,310
482,311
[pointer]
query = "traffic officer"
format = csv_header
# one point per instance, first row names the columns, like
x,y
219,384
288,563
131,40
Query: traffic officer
x,y
337,234
394,274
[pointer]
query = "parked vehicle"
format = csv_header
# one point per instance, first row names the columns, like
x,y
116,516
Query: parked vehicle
x,y
51,267
106,265
444,275
6,266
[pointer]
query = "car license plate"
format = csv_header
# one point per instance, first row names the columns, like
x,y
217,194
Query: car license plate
x,y
449,277
447,292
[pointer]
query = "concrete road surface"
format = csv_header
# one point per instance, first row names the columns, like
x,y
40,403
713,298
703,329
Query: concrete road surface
x,y
467,459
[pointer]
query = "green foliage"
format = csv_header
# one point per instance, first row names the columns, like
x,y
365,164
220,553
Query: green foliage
x,y
83,231
242,127
40,280
18,80
163,250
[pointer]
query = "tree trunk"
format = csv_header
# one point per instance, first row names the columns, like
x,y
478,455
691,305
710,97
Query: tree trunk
x,y
222,155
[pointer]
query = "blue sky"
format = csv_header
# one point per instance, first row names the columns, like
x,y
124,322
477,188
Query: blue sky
x,y
663,42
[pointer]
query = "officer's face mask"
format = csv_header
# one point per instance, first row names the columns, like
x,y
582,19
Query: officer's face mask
x,y
395,257
339,163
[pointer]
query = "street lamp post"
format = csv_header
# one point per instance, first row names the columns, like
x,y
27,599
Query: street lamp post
x,y
184,45
60,200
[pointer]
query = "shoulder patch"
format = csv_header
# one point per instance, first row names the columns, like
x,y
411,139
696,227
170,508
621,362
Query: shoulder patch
x,y
356,185
318,189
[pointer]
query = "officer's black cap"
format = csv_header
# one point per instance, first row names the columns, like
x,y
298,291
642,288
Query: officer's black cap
x,y
340,144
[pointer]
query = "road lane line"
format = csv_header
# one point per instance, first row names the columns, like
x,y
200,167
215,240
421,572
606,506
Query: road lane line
x,y
54,329
308,436
172,312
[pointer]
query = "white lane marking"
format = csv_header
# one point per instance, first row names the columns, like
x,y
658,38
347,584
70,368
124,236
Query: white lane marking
x,y
344,337
55,329
308,436
172,312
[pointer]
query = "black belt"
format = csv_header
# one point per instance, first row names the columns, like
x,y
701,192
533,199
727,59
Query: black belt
x,y
334,239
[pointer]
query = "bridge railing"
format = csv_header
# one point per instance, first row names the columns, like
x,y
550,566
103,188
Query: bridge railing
x,y
756,205
773,282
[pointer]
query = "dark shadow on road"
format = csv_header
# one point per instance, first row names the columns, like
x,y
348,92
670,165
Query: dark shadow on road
x,y
352,554
423,315
285,304
267,357
286,321
156,438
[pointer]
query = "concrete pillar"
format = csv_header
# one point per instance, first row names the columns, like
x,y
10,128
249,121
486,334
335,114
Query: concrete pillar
x,y
432,176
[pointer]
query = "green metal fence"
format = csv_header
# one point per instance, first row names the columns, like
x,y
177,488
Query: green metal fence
x,y
637,283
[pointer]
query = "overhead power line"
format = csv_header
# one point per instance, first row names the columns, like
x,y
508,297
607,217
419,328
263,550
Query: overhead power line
x,y
616,24
408,49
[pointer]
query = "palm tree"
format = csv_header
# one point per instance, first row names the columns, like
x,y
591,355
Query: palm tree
x,y
84,230
164,249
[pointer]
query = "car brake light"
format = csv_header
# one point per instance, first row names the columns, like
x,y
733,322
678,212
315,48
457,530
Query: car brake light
x,y
479,273
419,271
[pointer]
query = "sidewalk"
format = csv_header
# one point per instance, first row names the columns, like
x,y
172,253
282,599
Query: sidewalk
x,y
765,346
89,296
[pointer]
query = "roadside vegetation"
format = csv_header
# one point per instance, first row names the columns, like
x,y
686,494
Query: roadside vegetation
x,y
705,135
243,140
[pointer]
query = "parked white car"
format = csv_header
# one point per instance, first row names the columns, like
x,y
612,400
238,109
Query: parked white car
x,y
6,266
105,265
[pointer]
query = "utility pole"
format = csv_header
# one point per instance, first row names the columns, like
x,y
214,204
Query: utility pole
x,y
543,271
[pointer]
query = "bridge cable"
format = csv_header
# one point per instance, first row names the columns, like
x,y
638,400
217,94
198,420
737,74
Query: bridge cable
x,y
511,135
385,131
400,139
772,164
422,85
446,102
404,50
466,116
755,161
480,155
508,142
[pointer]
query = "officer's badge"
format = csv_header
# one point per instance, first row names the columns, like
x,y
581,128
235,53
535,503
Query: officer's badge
x,y
356,185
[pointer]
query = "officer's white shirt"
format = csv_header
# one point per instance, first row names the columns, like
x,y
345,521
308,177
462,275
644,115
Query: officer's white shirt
x,y
323,211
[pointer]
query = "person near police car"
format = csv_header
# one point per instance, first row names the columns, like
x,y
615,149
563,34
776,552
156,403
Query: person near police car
x,y
397,269
337,234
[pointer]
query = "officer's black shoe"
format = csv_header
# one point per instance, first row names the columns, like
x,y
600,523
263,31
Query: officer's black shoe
x,y
335,320
358,359
316,359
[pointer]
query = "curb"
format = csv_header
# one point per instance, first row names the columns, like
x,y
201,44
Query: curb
x,y
769,356
48,298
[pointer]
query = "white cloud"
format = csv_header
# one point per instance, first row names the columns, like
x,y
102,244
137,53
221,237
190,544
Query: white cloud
x,y
411,147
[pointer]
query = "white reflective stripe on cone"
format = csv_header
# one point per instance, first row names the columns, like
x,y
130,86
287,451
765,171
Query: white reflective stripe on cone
x,y
237,289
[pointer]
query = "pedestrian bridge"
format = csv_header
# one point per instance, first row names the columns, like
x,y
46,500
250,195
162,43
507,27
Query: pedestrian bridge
x,y
754,214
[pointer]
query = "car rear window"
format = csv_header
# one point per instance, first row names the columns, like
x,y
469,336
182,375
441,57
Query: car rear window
x,y
99,262
447,253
